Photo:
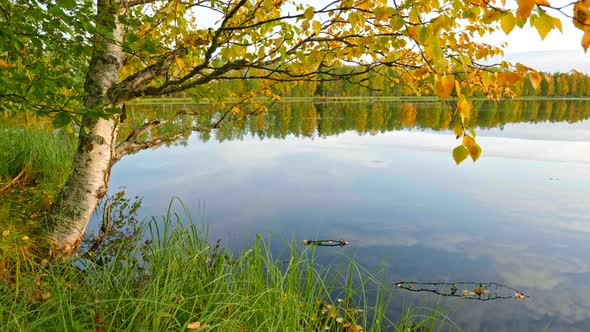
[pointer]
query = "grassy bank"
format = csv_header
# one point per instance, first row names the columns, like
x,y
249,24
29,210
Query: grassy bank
x,y
173,279
34,164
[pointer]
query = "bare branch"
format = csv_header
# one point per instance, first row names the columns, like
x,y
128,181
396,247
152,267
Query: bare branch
x,y
136,133
127,148
133,3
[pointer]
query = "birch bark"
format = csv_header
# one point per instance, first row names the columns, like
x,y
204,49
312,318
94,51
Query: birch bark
x,y
89,177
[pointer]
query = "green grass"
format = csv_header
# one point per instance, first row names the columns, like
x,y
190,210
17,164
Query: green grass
x,y
176,278
43,159
34,164
46,153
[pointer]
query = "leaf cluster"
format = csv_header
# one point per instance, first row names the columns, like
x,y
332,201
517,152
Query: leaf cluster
x,y
44,51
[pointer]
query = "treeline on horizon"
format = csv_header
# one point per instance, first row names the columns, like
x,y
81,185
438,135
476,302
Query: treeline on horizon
x,y
385,82
325,119
573,84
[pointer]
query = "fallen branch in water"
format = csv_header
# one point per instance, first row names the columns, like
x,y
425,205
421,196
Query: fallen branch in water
x,y
325,243
482,291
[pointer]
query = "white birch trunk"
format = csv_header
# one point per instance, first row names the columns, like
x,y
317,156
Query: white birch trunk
x,y
89,177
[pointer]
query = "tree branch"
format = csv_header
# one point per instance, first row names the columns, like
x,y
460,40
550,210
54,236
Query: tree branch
x,y
127,148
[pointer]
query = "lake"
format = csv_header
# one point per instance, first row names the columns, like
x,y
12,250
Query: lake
x,y
381,176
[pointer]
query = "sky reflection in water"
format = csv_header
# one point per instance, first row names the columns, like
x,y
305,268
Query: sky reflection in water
x,y
519,216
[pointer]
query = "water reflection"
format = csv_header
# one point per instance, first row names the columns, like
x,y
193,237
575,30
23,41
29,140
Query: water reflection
x,y
313,120
520,216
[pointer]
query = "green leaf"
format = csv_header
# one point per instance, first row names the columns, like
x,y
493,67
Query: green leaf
x,y
353,19
460,153
424,34
309,12
397,23
131,37
62,119
67,4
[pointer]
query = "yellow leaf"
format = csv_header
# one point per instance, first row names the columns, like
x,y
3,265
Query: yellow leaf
x,y
519,296
475,151
507,23
542,3
508,78
317,27
180,63
309,12
421,72
522,68
444,86
535,79
581,15
458,131
412,32
304,25
457,88
544,23
197,326
365,5
464,109
557,23
194,326
525,8
468,141
586,41
4,64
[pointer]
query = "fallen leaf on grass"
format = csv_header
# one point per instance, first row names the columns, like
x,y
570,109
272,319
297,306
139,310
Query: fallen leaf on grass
x,y
197,326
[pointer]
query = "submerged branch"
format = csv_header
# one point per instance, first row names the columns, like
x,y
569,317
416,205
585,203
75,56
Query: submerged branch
x,y
325,243
481,291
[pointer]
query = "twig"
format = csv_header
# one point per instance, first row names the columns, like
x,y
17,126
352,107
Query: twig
x,y
105,228
15,180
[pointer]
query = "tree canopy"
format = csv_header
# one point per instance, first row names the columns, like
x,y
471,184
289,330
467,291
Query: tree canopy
x,y
176,45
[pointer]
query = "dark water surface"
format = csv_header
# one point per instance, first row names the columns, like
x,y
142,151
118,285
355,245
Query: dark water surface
x,y
381,176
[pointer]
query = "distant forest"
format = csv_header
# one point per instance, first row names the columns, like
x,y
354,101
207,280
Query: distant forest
x,y
390,83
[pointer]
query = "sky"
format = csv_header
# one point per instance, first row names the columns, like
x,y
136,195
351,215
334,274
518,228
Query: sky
x,y
558,52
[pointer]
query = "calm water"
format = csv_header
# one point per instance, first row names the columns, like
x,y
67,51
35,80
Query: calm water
x,y
381,176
